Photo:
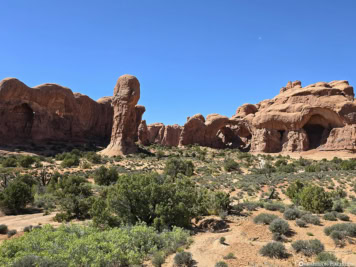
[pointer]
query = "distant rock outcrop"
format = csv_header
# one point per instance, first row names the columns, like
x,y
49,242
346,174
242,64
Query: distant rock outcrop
x,y
50,112
321,115
303,118
127,116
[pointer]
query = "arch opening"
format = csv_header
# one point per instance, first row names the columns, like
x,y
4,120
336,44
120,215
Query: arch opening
x,y
23,116
317,130
230,139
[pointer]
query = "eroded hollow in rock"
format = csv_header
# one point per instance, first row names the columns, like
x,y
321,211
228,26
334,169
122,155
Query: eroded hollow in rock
x,y
318,130
23,117
231,139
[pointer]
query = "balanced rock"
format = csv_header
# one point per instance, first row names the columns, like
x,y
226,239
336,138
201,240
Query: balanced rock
x,y
127,116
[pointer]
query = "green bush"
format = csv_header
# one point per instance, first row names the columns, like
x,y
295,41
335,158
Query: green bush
x,y
183,259
301,223
229,256
274,207
338,237
308,247
348,228
330,216
222,240
231,165
327,257
264,218
221,264
94,157
312,219
3,229
343,217
291,214
149,198
11,233
105,176
274,250
315,199
33,260
294,190
9,162
279,226
70,160
15,197
26,161
75,198
176,166
158,259
76,245
348,165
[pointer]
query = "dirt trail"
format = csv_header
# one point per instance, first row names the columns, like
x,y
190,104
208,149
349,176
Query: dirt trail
x,y
245,238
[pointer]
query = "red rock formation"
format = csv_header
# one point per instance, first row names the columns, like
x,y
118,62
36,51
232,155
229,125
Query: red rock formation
x,y
203,132
51,112
303,117
143,133
321,115
127,116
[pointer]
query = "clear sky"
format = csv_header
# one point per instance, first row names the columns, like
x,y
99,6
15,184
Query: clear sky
x,y
190,56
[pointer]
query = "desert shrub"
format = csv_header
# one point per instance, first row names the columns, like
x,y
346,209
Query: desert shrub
x,y
3,229
26,161
76,245
176,166
279,226
338,237
231,165
9,162
28,228
149,198
289,168
313,168
348,228
337,206
301,223
158,259
222,240
221,264
308,247
291,214
327,257
220,202
229,256
70,160
15,197
105,176
294,190
274,250
315,199
250,206
330,216
94,157
75,198
183,259
33,260
348,165
274,206
10,233
312,219
343,217
265,218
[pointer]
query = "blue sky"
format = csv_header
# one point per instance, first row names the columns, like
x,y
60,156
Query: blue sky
x,y
190,56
